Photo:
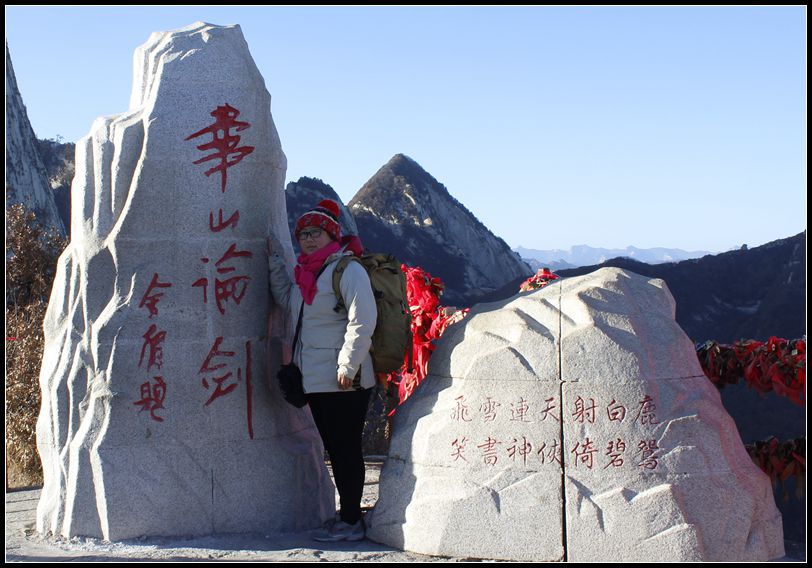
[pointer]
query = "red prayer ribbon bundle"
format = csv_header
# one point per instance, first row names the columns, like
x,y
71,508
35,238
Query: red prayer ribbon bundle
x,y
777,365
429,321
781,460
539,280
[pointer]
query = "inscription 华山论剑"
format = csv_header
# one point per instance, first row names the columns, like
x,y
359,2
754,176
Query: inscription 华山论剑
x,y
217,377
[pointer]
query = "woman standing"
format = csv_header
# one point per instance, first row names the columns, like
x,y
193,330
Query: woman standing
x,y
332,351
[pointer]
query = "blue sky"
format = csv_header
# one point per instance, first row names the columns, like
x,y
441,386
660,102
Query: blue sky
x,y
675,127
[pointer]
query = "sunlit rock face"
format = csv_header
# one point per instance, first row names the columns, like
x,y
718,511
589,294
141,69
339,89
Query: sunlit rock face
x,y
573,423
157,417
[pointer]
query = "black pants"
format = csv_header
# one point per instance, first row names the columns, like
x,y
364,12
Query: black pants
x,y
339,416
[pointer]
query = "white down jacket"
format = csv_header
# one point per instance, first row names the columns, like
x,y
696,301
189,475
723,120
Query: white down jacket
x,y
330,342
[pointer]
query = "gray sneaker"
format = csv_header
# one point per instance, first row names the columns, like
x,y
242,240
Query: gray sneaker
x,y
339,530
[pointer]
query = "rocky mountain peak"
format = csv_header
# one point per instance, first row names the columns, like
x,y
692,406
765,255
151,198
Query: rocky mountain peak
x,y
403,188
404,210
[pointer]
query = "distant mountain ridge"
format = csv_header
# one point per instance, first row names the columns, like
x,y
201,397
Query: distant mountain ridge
x,y
404,210
584,255
749,293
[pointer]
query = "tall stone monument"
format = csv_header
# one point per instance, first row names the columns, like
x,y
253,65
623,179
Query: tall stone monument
x,y
157,417
573,423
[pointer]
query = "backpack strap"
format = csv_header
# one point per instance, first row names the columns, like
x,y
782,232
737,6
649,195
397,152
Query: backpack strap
x,y
296,335
341,266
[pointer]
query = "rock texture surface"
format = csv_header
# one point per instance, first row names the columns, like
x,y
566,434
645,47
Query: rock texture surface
x,y
157,417
26,178
573,423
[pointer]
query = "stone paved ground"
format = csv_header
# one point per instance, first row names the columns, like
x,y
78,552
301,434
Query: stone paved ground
x,y
24,544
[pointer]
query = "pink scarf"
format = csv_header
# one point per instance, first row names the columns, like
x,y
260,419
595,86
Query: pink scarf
x,y
308,268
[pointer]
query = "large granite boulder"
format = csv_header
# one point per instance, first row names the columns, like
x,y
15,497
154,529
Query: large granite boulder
x,y
157,417
573,423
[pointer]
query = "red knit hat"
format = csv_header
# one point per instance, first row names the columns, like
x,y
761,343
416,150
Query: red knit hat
x,y
325,216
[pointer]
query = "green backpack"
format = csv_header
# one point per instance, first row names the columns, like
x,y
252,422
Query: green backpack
x,y
392,338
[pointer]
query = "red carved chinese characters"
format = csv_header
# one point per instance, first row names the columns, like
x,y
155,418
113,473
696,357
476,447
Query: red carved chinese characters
x,y
522,450
224,379
230,222
585,454
551,454
615,451
616,411
460,412
233,288
208,368
548,410
152,394
489,451
583,412
221,373
153,339
151,300
152,398
224,143
519,411
488,408
646,449
459,448
646,412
